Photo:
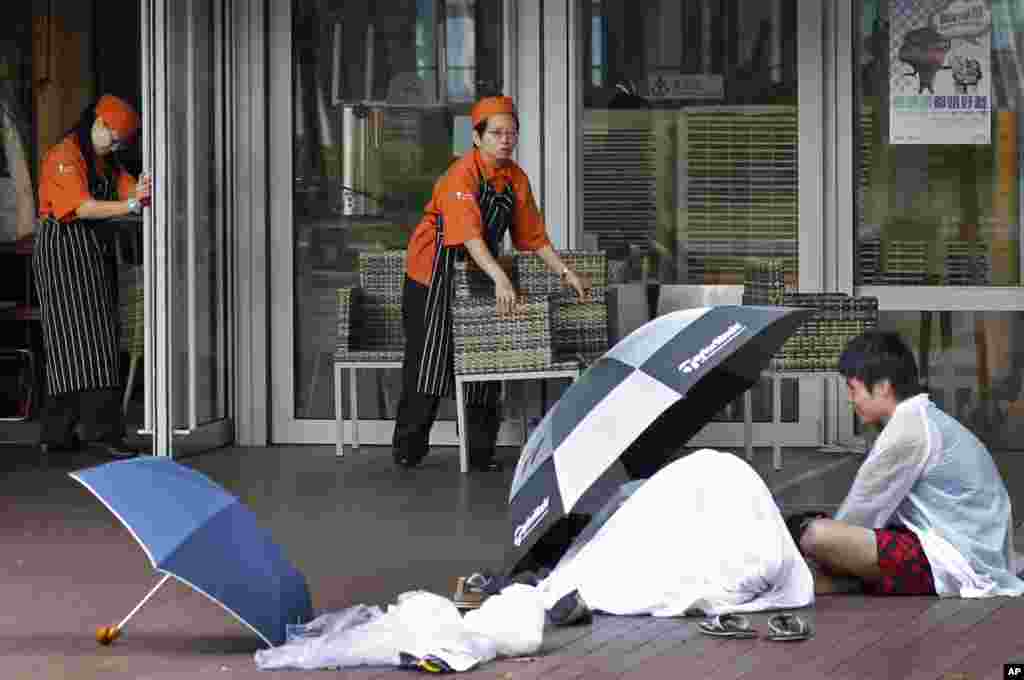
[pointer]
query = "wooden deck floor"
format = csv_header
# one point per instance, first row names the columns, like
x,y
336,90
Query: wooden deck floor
x,y
363,531
856,637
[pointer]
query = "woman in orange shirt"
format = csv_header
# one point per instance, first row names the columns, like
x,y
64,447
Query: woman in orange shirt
x,y
80,186
480,197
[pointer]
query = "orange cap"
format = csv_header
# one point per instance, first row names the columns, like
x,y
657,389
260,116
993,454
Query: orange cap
x,y
118,115
489,106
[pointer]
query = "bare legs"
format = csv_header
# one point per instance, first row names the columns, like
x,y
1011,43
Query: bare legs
x,y
841,556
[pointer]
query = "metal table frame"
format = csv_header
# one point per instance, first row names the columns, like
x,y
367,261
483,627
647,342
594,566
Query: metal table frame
x,y
777,376
353,397
460,404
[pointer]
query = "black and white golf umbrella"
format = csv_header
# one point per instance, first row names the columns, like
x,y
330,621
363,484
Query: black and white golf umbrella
x,y
636,407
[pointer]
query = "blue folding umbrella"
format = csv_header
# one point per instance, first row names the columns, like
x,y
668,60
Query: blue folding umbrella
x,y
194,530
636,407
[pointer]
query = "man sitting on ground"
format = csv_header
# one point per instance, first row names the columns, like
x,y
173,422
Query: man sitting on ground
x,y
928,512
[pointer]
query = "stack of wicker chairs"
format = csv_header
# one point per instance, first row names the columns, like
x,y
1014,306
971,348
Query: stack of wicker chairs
x,y
819,341
549,329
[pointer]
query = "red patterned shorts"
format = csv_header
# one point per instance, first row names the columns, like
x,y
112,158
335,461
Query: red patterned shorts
x,y
904,566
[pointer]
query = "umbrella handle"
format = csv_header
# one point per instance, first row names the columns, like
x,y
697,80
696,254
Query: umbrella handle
x,y
107,634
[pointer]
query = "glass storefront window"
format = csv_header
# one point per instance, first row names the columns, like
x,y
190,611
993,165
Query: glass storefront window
x,y
972,364
690,137
460,24
381,100
938,143
938,191
690,145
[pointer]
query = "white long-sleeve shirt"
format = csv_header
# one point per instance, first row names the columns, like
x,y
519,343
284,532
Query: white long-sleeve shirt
x,y
930,474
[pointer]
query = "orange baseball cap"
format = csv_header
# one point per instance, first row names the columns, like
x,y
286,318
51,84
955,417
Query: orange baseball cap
x,y
489,106
119,116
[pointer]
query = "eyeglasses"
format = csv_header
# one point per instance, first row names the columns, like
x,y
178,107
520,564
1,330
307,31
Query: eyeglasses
x,y
115,143
507,134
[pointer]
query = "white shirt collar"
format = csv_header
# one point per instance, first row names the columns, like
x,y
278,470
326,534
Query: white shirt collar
x,y
913,402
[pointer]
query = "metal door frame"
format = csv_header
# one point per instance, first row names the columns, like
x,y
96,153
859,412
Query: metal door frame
x,y
158,244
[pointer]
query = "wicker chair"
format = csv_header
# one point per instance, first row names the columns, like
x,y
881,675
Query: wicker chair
x,y
132,327
550,335
575,331
370,333
579,330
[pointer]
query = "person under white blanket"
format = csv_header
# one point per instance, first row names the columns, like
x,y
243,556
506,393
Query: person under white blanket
x,y
701,536
928,512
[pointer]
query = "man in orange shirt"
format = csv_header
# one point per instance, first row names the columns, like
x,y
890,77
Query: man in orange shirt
x,y
81,185
480,197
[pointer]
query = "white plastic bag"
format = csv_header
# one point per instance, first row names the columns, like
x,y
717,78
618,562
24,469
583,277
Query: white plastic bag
x,y
426,624
421,624
513,619
332,623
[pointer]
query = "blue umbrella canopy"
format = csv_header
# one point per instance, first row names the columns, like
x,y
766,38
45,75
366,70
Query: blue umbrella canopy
x,y
194,530
636,407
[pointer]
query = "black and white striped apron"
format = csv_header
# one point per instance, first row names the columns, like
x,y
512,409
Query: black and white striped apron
x,y
77,291
437,366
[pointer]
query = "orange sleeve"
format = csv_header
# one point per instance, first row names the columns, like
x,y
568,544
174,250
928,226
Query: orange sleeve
x,y
63,182
456,198
125,184
419,256
528,230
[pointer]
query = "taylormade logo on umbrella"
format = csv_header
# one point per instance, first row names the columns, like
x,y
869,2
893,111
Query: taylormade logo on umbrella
x,y
531,522
693,363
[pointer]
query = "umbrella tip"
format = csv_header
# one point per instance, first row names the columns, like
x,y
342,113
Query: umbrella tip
x,y
107,634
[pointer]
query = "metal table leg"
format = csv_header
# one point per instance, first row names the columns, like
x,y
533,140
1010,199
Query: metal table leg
x,y
748,425
777,420
339,413
460,408
354,401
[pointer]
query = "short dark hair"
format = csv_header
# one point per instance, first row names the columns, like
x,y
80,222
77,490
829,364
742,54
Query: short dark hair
x,y
82,131
875,356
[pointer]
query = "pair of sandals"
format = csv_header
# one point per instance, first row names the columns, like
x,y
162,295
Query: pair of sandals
x,y
781,627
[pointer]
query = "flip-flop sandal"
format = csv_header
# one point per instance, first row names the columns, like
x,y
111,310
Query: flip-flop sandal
x,y
784,627
728,626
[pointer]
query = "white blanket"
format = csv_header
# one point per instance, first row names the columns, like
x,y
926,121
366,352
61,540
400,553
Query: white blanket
x,y
703,535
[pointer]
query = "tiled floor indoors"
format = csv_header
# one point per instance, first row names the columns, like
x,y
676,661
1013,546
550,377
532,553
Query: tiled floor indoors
x,y
363,531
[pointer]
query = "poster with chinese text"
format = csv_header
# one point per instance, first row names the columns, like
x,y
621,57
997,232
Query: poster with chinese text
x,y
940,71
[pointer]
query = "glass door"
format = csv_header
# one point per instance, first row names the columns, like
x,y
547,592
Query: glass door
x,y
934,209
369,105
184,244
701,128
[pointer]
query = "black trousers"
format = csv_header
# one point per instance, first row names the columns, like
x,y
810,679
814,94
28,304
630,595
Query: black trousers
x,y
96,414
417,411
